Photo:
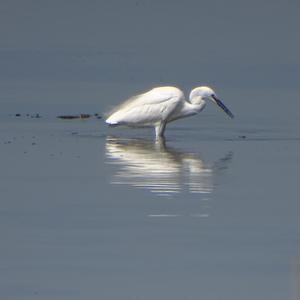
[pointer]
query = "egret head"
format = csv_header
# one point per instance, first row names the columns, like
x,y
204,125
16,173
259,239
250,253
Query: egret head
x,y
207,93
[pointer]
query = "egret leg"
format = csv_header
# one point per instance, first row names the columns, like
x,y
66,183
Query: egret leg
x,y
160,143
160,129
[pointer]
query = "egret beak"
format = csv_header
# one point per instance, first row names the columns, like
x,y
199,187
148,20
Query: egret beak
x,y
222,105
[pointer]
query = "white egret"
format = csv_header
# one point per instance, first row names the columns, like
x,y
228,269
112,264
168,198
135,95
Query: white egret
x,y
162,105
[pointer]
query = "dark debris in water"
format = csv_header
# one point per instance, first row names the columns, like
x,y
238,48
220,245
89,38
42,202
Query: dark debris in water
x,y
32,116
85,116
80,116
68,117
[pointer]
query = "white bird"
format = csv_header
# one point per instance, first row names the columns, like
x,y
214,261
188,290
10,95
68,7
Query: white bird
x,y
162,105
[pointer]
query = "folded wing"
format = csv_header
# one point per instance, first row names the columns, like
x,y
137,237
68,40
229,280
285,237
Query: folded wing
x,y
147,109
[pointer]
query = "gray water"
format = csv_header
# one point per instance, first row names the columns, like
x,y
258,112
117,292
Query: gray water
x,y
90,212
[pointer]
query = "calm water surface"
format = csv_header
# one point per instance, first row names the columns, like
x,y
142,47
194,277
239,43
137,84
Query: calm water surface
x,y
91,212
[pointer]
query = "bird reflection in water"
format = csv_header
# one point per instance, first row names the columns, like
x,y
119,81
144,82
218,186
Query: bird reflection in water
x,y
163,170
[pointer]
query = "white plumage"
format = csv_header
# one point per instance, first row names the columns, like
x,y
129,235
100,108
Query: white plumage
x,y
161,105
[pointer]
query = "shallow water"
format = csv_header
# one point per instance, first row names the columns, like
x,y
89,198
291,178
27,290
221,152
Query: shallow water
x,y
88,211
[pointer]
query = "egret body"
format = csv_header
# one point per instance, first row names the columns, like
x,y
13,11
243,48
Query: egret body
x,y
162,105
